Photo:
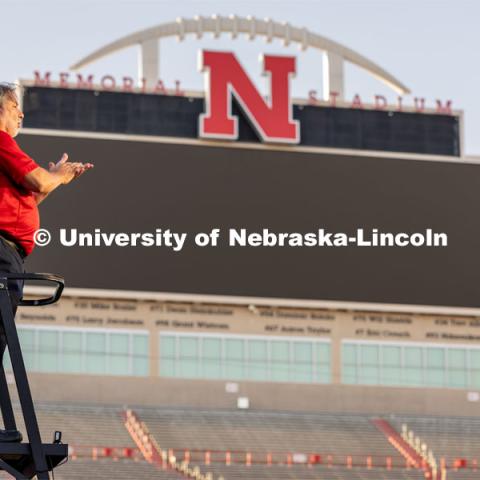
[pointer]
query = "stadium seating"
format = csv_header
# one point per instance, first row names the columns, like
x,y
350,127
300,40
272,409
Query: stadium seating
x,y
306,473
82,469
277,436
251,445
338,435
81,424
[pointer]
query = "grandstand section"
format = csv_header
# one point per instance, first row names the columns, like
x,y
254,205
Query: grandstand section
x,y
262,432
253,445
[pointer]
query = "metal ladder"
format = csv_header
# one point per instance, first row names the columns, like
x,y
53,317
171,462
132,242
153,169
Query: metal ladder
x,y
25,460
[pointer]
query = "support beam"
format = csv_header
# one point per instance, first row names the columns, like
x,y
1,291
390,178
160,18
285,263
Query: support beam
x,y
148,61
333,75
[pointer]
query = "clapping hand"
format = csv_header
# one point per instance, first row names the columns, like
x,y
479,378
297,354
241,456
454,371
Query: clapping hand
x,y
71,170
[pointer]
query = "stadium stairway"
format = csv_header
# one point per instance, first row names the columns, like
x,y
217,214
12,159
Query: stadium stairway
x,y
154,454
392,436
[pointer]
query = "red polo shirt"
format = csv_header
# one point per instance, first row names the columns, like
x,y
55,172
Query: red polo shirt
x,y
19,217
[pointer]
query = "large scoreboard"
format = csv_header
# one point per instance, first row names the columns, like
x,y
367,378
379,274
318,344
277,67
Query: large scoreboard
x,y
145,184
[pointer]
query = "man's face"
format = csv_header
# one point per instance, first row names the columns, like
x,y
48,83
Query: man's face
x,y
10,115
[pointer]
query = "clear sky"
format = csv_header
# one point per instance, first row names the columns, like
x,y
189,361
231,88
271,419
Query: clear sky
x,y
432,46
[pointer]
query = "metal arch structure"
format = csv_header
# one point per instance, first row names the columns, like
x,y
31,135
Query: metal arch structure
x,y
334,54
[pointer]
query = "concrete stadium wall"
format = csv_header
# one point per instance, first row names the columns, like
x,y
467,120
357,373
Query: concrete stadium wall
x,y
263,396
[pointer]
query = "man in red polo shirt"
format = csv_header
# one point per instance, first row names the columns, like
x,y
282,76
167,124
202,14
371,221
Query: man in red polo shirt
x,y
23,185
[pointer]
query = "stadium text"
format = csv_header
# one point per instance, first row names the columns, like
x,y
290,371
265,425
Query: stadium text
x,y
129,85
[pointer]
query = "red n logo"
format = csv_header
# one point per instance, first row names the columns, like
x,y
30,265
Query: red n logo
x,y
271,119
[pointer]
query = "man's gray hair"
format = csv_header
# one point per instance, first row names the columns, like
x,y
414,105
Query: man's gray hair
x,y
7,90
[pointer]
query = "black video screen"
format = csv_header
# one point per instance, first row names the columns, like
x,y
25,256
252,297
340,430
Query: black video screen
x,y
144,186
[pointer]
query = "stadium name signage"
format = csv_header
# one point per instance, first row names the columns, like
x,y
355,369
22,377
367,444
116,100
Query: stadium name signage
x,y
271,117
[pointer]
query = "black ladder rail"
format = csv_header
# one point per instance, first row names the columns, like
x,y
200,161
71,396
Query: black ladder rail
x,y
5,403
14,458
